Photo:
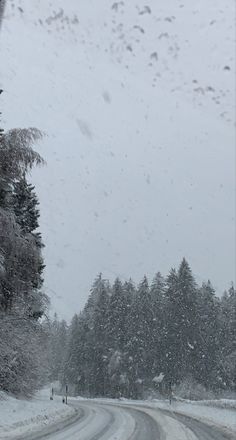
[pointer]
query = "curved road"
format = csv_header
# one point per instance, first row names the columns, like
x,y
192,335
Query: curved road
x,y
114,421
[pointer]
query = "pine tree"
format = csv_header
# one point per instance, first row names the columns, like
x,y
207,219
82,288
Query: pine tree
x,y
58,348
16,158
158,302
232,319
118,330
94,345
140,339
208,343
125,337
129,293
182,320
25,204
90,305
100,341
189,319
171,340
117,311
71,373
225,372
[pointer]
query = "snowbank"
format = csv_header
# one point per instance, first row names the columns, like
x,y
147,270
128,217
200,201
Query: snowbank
x,y
219,412
216,403
222,403
24,417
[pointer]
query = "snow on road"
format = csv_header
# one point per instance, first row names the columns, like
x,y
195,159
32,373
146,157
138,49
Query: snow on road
x,y
22,417
98,421
219,412
110,419
107,419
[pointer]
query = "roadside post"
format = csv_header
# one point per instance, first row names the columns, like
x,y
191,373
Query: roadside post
x,y
170,393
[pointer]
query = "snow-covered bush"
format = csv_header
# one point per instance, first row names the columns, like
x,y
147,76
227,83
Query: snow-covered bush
x,y
23,364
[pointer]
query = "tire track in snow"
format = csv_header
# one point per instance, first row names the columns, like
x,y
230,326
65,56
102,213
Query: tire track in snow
x,y
100,420
172,425
207,431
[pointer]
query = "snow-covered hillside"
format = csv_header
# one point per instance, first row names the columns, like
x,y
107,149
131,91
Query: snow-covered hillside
x,y
21,418
136,98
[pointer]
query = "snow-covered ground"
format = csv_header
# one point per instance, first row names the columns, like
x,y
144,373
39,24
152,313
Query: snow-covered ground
x,y
221,413
22,417
224,416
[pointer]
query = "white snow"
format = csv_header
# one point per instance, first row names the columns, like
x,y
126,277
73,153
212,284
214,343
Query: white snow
x,y
21,417
220,413
207,412
221,403
173,429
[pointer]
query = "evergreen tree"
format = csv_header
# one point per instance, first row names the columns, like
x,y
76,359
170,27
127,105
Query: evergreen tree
x,y
100,341
117,311
170,340
158,301
58,348
16,158
188,318
232,320
25,204
71,372
208,342
21,301
129,293
182,319
172,332
118,329
93,346
90,305
225,372
140,338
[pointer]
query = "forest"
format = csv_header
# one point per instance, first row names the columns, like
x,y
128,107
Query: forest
x,y
148,340
130,341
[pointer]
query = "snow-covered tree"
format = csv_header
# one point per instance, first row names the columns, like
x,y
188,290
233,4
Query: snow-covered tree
x,y
129,340
208,334
22,302
17,157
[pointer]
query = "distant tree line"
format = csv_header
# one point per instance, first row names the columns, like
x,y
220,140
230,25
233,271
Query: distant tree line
x,y
22,303
132,341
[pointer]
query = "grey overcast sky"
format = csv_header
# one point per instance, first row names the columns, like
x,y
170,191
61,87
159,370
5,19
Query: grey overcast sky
x,y
137,100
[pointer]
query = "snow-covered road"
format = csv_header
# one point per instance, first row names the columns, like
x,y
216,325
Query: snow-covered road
x,y
117,421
